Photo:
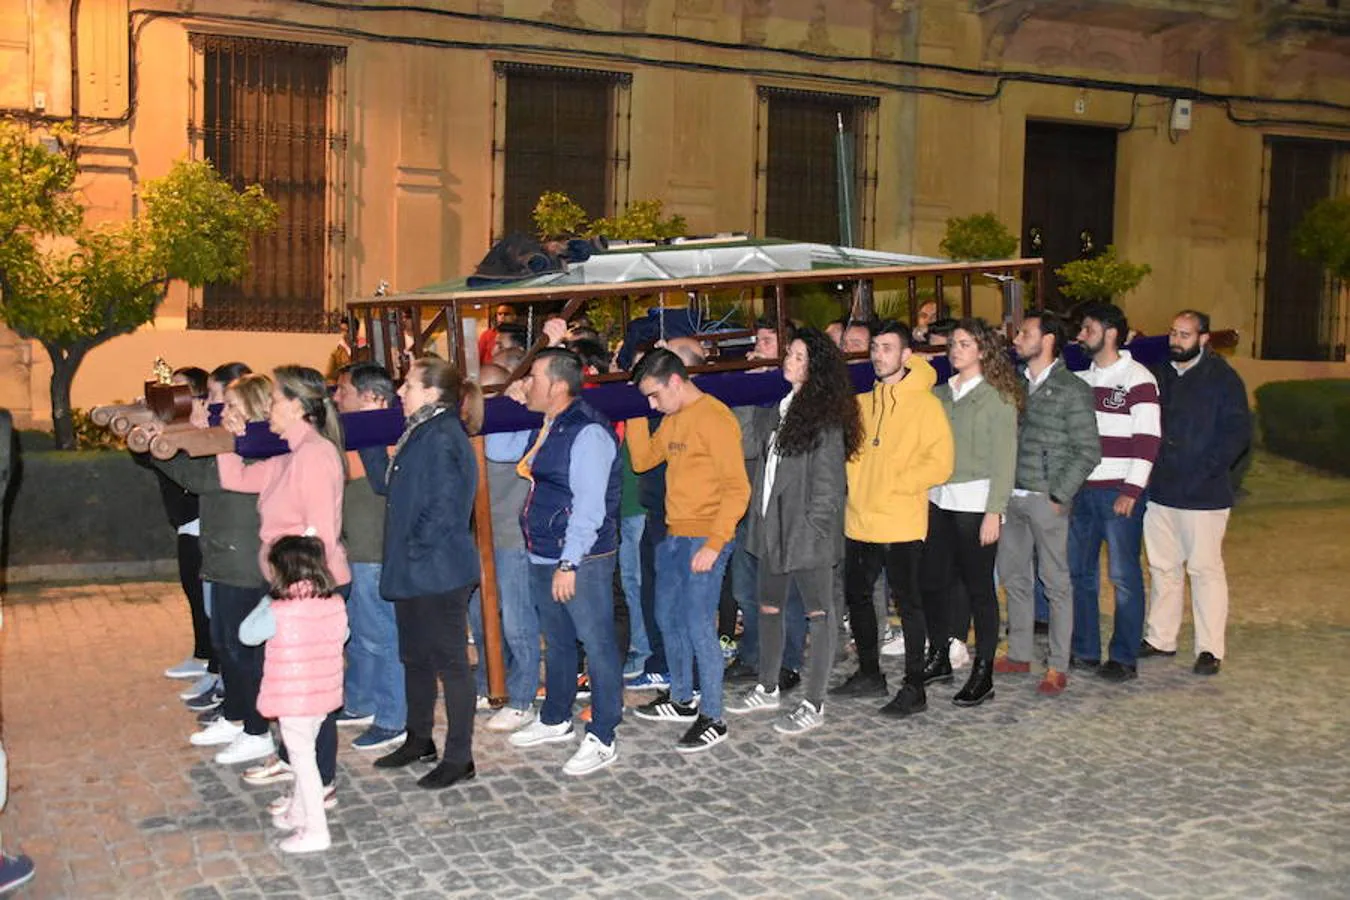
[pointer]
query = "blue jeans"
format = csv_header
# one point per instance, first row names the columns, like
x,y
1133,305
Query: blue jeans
x,y
374,679
1093,520
520,628
630,574
589,618
686,607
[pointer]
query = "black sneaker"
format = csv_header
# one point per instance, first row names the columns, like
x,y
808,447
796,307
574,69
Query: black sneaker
x,y
910,700
207,699
1091,665
861,684
739,670
664,709
1117,671
788,679
207,716
704,733
1147,650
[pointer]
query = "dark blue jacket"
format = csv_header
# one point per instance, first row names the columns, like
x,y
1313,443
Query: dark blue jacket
x,y
547,510
429,491
1206,429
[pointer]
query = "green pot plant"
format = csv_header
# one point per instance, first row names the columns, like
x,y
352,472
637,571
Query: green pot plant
x,y
1105,277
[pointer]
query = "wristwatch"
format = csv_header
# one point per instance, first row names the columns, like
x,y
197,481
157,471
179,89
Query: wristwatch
x,y
566,566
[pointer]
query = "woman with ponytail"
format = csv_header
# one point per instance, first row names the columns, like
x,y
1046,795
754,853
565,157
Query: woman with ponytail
x,y
298,493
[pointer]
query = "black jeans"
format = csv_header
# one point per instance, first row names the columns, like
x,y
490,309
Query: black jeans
x,y
433,644
190,577
862,564
953,553
241,666
653,534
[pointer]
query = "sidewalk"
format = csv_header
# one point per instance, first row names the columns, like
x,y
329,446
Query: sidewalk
x,y
1171,786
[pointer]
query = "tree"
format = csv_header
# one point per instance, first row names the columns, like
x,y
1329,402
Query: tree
x,y
1323,236
980,236
72,287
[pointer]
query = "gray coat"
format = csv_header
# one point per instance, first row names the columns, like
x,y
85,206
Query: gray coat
x,y
804,525
1057,443
230,522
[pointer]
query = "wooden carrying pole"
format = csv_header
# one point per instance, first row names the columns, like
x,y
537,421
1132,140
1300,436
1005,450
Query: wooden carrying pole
x,y
491,652
191,439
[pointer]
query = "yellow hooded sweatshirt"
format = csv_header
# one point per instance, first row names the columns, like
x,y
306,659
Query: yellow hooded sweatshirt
x,y
906,449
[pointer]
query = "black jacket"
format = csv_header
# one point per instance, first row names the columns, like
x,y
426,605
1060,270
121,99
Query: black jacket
x,y
429,493
804,525
1206,429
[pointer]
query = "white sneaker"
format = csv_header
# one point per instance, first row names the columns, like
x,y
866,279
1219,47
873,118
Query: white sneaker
x,y
200,686
754,700
591,756
510,719
221,731
246,748
188,668
274,771
483,704
894,644
959,654
539,733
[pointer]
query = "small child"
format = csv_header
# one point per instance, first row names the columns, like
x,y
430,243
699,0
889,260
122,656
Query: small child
x,y
302,678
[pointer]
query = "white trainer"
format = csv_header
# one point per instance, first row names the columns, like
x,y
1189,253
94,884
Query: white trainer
x,y
958,653
188,668
510,719
246,748
539,733
274,771
755,700
894,643
592,756
221,731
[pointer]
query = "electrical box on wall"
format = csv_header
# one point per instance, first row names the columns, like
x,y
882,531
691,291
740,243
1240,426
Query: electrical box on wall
x,y
1181,115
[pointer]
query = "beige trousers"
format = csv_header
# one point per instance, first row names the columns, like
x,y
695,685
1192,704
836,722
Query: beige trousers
x,y
1182,542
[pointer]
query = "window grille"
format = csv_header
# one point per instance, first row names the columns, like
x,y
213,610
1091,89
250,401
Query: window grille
x,y
268,111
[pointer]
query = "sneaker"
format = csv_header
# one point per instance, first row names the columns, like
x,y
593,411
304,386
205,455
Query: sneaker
x,y
209,699
703,734
377,738
959,654
861,684
633,671
1053,684
804,718
351,718
728,648
587,713
510,719
221,731
1118,672
305,842
592,756
200,686
188,668
650,681
15,871
485,703
664,709
739,670
909,700
894,643
537,733
274,771
279,806
1006,665
209,716
583,686
754,700
788,679
246,748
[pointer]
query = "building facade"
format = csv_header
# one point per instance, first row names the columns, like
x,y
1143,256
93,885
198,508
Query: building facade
x,y
399,142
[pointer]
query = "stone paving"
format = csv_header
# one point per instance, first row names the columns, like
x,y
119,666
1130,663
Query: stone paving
x,y
1171,786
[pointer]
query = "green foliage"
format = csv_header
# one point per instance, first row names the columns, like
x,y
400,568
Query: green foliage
x,y
89,436
980,236
557,215
1323,236
1307,421
1104,277
72,287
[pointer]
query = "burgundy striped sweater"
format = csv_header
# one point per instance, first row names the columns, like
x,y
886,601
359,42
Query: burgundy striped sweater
x,y
1129,423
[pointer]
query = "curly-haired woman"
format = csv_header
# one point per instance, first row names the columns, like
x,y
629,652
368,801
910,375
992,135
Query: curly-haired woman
x,y
796,527
982,399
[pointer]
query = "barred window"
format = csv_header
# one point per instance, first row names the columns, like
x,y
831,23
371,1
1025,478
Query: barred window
x,y
559,129
267,114
798,168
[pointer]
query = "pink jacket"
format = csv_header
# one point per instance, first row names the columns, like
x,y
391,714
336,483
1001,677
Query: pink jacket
x,y
296,491
302,665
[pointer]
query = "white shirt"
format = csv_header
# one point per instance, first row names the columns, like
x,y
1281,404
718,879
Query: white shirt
x,y
771,458
963,496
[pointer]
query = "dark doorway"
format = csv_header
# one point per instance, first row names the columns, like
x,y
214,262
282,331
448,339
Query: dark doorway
x,y
1295,311
1068,196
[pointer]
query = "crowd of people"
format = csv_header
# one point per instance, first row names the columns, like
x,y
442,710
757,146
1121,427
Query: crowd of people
x,y
699,548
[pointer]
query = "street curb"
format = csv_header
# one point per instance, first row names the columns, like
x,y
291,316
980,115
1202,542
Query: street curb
x,y
65,573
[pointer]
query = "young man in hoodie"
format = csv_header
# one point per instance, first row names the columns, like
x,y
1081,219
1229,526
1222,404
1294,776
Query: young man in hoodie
x,y
907,449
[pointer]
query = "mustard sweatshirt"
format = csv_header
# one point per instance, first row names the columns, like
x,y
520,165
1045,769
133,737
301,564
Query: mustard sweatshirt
x,y
907,449
707,490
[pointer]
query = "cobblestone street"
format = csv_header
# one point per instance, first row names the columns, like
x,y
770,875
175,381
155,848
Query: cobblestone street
x,y
1170,786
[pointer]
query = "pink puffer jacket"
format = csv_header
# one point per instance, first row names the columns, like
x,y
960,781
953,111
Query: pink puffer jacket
x,y
302,666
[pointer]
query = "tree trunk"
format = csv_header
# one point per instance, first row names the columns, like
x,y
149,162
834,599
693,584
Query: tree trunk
x,y
64,366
